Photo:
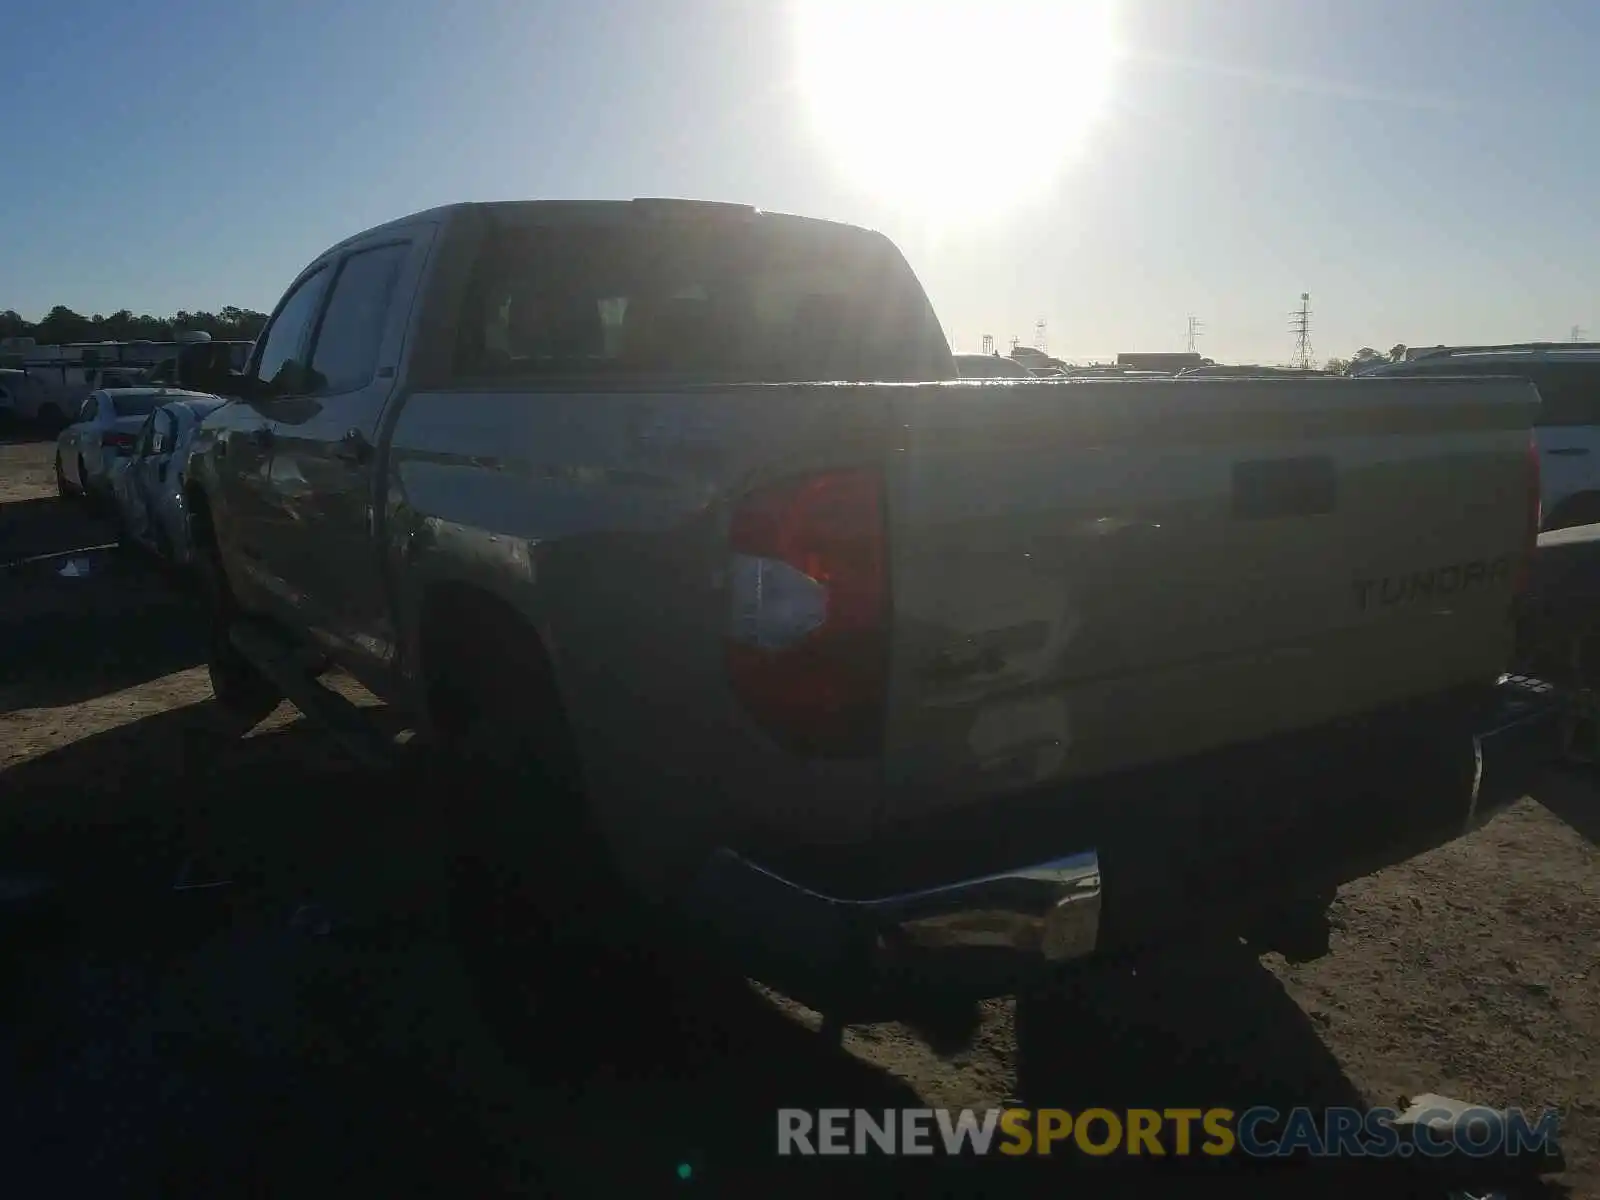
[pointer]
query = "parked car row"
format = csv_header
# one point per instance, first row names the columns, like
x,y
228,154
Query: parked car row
x,y
47,393
127,451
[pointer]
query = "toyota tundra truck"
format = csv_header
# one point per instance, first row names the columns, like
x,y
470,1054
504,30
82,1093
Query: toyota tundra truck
x,y
672,526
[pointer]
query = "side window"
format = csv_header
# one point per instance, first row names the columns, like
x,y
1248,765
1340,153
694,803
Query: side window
x,y
346,352
86,413
281,365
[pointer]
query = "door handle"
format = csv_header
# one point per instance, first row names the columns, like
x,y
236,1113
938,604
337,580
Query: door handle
x,y
353,447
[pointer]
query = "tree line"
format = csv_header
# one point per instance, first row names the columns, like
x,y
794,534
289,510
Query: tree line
x,y
61,325
1364,357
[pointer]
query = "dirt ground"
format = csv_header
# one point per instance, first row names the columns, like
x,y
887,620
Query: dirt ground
x,y
208,1040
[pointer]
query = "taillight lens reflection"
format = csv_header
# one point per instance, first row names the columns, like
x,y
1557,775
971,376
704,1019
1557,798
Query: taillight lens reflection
x,y
807,636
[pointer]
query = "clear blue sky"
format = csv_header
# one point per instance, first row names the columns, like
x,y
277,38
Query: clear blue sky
x,y
1424,168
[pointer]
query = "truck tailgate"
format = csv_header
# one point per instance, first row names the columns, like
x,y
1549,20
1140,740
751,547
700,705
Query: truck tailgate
x,y
1080,570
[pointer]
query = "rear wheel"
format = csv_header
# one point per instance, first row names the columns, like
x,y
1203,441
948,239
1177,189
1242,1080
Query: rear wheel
x,y
125,540
83,484
538,911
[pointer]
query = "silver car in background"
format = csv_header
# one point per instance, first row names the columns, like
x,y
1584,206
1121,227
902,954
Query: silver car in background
x,y
103,432
147,485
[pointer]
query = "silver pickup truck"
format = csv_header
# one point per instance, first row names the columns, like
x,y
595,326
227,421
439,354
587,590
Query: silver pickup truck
x,y
672,525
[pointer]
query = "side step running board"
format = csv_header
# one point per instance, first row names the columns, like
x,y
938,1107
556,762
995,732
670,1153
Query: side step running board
x,y
291,674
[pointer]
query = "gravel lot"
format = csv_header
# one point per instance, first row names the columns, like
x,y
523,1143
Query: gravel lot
x,y
195,1042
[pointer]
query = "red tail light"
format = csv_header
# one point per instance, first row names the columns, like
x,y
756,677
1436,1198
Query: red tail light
x,y
114,440
1535,518
807,639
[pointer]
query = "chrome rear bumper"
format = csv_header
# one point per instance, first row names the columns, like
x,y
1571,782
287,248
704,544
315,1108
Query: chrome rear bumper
x,y
984,933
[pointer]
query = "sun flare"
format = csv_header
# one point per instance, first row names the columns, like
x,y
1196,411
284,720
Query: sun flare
x,y
959,110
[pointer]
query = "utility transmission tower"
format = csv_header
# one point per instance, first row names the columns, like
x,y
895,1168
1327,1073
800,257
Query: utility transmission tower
x,y
1300,326
1195,330
1579,333
988,343
1039,341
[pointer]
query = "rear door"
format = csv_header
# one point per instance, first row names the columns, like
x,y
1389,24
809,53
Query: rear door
x,y
324,450
130,490
150,469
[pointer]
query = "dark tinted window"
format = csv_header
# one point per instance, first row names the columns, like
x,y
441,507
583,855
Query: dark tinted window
x,y
731,302
1569,391
346,353
86,410
136,406
281,367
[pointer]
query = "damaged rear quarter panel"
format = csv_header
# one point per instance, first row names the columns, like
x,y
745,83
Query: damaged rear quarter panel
x,y
600,517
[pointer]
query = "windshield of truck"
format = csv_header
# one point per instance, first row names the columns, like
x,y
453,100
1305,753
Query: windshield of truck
x,y
749,302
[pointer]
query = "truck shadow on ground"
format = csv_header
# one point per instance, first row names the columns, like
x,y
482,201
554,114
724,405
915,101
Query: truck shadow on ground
x,y
231,1045
76,637
1570,794
50,525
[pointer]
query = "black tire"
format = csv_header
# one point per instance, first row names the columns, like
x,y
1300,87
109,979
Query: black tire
x,y
126,545
544,925
84,490
244,697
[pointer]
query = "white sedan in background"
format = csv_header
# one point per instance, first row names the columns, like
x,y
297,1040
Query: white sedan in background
x,y
148,484
103,432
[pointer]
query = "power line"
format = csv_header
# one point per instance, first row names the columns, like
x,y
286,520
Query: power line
x,y
1300,326
1195,330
